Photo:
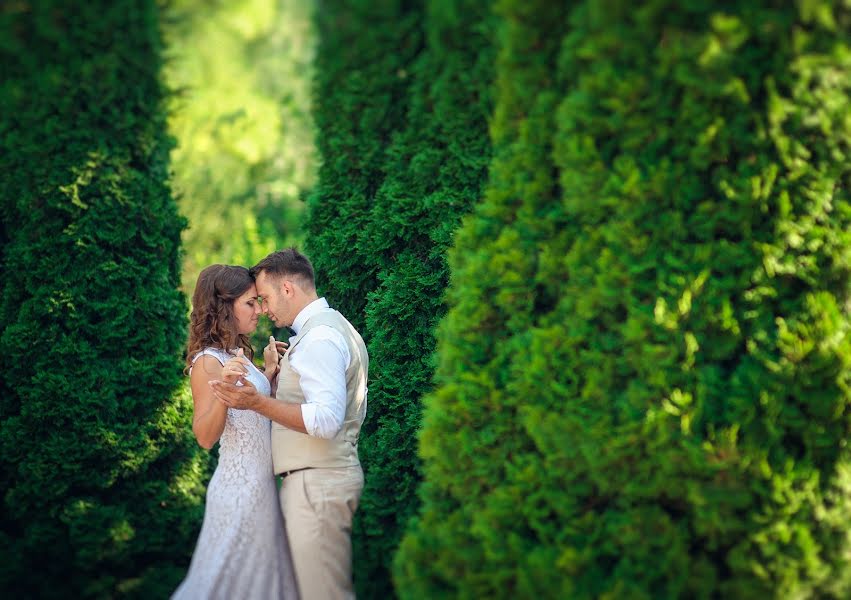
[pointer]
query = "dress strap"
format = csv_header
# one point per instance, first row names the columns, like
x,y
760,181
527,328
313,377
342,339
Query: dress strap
x,y
220,355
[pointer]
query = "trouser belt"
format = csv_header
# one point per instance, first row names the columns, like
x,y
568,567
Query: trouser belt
x,y
291,471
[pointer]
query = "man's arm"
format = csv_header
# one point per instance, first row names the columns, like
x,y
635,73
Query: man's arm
x,y
246,397
321,363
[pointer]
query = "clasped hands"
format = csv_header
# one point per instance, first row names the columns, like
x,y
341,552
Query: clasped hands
x,y
237,392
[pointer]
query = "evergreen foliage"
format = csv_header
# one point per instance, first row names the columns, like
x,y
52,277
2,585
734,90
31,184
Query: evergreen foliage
x,y
402,102
101,479
364,53
643,377
434,173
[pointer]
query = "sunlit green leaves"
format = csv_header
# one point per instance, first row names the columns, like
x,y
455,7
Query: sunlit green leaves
x,y
241,117
643,377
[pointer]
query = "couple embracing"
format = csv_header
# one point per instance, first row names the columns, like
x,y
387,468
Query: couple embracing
x,y
299,419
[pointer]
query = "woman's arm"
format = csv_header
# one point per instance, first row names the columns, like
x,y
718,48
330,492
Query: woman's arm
x,y
208,418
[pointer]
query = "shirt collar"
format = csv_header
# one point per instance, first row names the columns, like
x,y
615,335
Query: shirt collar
x,y
308,311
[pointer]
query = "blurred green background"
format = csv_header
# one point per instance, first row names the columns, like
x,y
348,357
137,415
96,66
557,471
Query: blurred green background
x,y
245,155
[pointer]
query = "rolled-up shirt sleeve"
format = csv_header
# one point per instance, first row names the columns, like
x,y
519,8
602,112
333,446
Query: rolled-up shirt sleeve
x,y
321,360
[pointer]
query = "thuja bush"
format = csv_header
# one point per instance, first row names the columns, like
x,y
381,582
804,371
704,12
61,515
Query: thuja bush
x,y
100,477
643,379
364,53
434,173
461,544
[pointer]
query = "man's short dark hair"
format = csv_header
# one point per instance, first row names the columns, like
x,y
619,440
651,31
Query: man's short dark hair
x,y
288,262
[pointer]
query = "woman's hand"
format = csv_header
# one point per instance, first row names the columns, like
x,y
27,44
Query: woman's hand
x,y
271,356
236,368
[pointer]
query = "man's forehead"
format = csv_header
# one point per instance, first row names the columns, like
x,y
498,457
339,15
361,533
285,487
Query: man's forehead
x,y
264,283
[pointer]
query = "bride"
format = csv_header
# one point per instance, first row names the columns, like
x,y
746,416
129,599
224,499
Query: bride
x,y
242,550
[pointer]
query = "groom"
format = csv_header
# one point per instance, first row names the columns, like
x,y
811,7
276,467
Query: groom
x,y
316,417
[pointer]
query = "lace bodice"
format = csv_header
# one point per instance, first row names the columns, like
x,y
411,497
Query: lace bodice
x,y
246,439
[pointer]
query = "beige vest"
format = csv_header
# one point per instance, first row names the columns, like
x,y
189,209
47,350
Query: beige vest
x,y
295,450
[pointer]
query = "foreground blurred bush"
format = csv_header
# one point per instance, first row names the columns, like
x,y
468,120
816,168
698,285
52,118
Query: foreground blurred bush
x,y
643,380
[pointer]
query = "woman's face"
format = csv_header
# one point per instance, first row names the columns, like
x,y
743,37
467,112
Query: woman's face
x,y
246,310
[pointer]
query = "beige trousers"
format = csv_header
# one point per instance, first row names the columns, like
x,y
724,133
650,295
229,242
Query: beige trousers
x,y
318,506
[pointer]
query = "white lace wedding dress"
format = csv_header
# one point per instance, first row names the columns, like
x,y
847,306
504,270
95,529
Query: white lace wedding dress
x,y
242,550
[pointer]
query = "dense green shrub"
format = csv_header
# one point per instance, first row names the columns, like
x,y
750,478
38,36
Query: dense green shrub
x,y
101,480
643,378
364,54
402,103
435,171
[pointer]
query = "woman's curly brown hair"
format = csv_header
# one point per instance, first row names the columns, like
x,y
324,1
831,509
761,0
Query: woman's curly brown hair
x,y
212,323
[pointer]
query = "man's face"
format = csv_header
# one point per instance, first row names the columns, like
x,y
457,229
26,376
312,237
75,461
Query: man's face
x,y
277,299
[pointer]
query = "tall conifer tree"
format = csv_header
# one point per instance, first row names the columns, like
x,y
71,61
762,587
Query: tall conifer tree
x,y
402,108
363,62
99,472
435,172
365,66
643,379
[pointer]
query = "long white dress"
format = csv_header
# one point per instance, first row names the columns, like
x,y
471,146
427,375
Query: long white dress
x,y
242,550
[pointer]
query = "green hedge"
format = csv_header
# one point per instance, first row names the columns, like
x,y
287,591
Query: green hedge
x,y
644,372
102,482
435,172
364,52
402,104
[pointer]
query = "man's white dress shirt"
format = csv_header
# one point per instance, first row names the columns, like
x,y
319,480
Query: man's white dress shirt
x,y
321,361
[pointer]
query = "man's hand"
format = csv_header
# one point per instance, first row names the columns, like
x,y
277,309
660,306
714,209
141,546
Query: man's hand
x,y
243,397
246,397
